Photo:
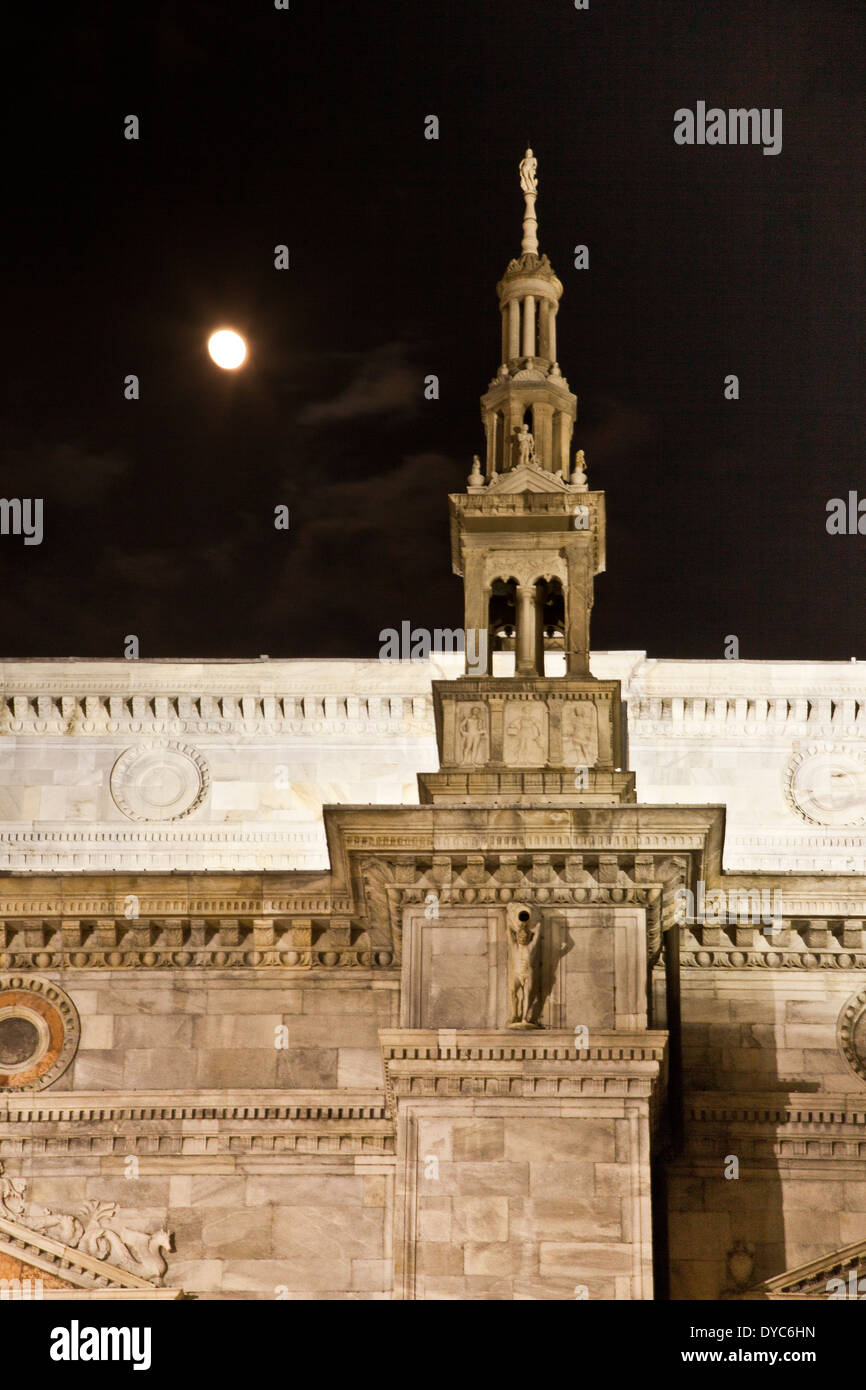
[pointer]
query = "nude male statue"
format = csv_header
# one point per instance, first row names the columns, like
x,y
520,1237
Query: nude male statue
x,y
523,938
528,176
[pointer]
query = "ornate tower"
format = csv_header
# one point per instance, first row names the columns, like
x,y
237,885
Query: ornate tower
x,y
528,538
529,382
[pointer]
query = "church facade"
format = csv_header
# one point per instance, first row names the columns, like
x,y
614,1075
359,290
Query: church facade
x,y
528,973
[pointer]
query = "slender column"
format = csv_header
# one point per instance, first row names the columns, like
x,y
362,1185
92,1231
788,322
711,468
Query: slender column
x,y
542,428
544,329
513,328
539,630
562,448
490,430
529,326
551,332
527,617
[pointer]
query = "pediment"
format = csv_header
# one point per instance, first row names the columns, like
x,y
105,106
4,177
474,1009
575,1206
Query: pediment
x,y
35,1266
836,1275
528,478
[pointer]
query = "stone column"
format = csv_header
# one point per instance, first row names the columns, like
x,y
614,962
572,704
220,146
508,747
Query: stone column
x,y
490,431
476,598
544,311
527,619
513,328
554,308
542,428
561,443
578,605
529,326
539,630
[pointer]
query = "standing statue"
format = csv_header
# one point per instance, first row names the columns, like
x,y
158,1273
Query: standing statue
x,y
528,177
525,447
523,937
578,477
472,731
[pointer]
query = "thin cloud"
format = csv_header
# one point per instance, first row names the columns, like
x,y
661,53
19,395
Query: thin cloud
x,y
384,382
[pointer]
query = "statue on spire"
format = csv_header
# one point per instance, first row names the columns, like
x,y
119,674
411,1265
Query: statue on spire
x,y
529,184
528,176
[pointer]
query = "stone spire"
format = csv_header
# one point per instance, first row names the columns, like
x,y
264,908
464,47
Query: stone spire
x,y
528,539
529,392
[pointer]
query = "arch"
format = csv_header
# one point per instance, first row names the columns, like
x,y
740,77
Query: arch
x,y
502,614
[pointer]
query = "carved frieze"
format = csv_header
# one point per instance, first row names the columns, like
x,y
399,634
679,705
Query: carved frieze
x,y
96,1230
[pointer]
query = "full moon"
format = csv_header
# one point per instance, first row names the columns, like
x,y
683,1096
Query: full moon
x,y
227,348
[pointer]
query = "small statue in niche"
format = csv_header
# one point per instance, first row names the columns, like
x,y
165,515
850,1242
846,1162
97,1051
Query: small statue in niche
x,y
524,930
525,447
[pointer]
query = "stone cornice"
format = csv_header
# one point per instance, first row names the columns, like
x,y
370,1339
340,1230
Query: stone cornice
x,y
175,1124
770,1111
503,1063
242,716
809,942
451,830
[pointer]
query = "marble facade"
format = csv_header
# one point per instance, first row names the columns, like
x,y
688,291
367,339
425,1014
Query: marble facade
x,y
370,980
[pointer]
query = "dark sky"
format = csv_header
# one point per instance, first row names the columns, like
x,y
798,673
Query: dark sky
x,y
306,127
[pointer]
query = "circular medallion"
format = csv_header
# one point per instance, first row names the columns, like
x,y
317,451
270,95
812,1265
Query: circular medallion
x,y
159,780
39,1032
826,784
852,1033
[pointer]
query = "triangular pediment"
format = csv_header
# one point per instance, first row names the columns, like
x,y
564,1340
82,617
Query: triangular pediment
x,y
833,1276
35,1266
528,478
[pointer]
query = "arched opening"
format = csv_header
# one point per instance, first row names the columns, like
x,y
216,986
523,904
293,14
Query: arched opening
x,y
502,610
551,612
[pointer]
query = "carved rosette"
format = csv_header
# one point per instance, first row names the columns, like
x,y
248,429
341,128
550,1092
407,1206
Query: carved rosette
x,y
825,784
852,1033
39,1032
159,781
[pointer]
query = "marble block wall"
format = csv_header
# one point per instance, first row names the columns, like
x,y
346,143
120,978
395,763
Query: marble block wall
x,y
177,1031
544,1201
775,1124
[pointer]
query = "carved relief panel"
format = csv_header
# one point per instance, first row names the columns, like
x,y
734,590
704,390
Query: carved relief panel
x,y
472,735
524,742
580,733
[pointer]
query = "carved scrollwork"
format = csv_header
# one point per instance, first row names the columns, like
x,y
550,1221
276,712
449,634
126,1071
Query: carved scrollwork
x,y
96,1231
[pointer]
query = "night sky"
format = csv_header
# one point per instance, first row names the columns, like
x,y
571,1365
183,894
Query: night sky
x,y
306,127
